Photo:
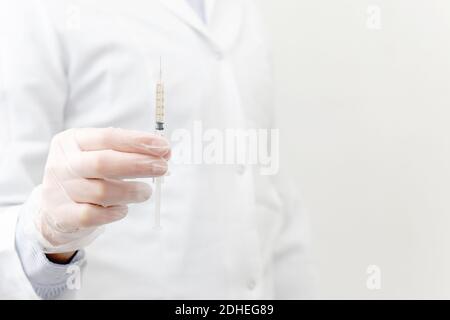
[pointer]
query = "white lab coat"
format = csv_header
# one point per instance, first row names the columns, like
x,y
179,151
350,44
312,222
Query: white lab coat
x,y
228,232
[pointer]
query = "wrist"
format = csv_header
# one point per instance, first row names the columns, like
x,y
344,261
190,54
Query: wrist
x,y
61,258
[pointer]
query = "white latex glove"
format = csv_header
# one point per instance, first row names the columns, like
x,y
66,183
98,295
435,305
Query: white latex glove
x,y
83,186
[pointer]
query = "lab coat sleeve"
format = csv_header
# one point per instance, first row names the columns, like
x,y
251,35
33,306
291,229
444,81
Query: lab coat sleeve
x,y
33,93
49,280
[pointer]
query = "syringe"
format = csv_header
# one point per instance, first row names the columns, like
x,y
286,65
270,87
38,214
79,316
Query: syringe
x,y
159,116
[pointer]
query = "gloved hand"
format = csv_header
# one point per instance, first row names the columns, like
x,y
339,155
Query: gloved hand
x,y
83,186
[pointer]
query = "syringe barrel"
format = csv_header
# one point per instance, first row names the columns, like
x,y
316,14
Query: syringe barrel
x,y
159,103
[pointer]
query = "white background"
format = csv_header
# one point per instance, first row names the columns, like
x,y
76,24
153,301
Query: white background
x,y
365,119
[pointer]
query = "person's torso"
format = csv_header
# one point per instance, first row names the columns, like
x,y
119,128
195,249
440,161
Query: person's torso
x,y
216,232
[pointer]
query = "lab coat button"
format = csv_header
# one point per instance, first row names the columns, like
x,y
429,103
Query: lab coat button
x,y
219,53
241,169
251,285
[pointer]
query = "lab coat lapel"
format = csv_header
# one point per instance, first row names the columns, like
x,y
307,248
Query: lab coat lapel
x,y
209,9
223,21
225,24
183,11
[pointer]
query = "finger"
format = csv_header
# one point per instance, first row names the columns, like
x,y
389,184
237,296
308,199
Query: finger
x,y
94,139
107,193
83,216
111,164
168,155
90,215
